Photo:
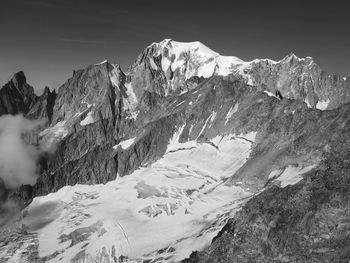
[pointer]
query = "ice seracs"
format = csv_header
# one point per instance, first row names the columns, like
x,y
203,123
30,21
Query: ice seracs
x,y
173,207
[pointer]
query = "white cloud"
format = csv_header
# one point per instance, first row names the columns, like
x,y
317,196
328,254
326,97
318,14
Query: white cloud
x,y
17,158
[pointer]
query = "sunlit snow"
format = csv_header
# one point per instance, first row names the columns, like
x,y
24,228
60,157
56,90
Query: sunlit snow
x,y
178,204
232,110
204,62
323,104
88,119
270,94
125,144
290,175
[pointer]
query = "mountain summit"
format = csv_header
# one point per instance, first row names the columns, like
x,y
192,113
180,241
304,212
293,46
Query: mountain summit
x,y
292,77
186,151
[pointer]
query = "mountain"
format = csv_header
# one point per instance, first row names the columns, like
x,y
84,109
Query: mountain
x,y
292,77
185,151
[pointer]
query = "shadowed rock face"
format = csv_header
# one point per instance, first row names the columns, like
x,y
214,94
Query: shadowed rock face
x,y
43,108
103,123
16,96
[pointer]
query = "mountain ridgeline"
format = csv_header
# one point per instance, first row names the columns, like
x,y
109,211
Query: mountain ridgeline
x,y
276,130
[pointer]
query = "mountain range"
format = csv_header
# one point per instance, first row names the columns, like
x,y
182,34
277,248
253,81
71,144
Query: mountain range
x,y
188,156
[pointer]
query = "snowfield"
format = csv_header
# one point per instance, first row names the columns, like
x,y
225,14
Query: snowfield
x,y
169,209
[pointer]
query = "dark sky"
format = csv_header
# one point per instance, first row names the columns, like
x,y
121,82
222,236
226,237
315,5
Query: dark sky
x,y
47,39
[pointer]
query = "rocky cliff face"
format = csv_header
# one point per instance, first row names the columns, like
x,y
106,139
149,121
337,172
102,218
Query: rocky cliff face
x,y
43,107
301,79
180,142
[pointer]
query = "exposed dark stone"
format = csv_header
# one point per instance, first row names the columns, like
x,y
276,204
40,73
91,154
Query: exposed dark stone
x,y
16,96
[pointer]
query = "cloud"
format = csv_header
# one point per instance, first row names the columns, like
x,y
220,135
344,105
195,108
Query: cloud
x,y
17,158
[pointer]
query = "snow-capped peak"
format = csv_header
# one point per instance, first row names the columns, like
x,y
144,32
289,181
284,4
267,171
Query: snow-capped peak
x,y
195,46
193,59
180,61
102,62
292,56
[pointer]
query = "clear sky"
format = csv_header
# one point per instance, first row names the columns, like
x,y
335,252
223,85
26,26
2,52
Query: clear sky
x,y
47,39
